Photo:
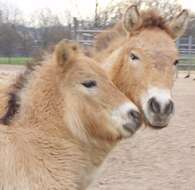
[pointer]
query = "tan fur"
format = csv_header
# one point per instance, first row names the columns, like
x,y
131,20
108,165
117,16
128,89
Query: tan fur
x,y
62,133
151,38
152,41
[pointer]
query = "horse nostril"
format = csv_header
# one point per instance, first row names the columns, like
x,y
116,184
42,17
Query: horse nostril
x,y
169,108
136,116
154,105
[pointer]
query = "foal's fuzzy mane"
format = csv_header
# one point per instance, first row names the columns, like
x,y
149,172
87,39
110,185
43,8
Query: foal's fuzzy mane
x,y
13,103
152,19
115,35
14,100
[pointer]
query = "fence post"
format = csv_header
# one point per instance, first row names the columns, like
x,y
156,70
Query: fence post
x,y
189,44
75,21
189,51
177,72
177,43
70,31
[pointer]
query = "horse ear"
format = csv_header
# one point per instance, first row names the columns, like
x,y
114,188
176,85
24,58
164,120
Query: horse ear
x,y
132,19
65,52
178,24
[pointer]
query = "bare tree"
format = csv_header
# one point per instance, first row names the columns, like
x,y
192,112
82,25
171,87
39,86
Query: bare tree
x,y
9,39
9,13
9,36
16,38
26,41
49,28
191,27
96,19
114,12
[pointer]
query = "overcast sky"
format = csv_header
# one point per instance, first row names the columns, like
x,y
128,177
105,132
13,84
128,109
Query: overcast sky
x,y
85,7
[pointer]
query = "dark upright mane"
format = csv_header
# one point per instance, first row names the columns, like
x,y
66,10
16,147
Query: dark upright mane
x,y
150,19
12,107
13,103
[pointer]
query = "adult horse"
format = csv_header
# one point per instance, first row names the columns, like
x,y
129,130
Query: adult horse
x,y
139,55
71,116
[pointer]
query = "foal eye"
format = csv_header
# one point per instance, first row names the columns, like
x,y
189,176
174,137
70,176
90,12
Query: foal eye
x,y
89,84
176,62
133,57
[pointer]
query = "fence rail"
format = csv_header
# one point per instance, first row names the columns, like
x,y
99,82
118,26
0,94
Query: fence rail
x,y
186,45
182,50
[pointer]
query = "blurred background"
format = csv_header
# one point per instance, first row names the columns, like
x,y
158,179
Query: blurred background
x,y
31,26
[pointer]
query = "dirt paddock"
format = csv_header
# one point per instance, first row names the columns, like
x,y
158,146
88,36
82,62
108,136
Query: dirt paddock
x,y
152,159
157,159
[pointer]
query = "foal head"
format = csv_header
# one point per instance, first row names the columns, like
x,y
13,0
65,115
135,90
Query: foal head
x,y
146,62
93,106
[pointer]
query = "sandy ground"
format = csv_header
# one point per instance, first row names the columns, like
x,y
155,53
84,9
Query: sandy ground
x,y
9,72
157,159
152,159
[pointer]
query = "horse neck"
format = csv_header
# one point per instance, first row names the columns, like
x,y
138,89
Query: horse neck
x,y
46,159
40,99
40,128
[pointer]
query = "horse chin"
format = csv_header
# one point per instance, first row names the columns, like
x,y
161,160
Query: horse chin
x,y
155,125
158,126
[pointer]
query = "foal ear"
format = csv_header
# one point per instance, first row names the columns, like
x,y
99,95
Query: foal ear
x,y
178,24
65,52
132,19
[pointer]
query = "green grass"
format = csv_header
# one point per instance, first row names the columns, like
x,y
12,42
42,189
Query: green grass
x,y
185,59
14,60
23,60
190,61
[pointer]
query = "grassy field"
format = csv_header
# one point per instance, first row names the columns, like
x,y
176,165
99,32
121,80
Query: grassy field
x,y
188,61
14,60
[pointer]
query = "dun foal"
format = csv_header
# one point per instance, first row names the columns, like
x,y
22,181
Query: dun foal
x,y
139,55
70,118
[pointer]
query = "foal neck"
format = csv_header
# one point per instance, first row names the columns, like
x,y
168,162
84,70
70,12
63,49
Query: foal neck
x,y
43,141
41,102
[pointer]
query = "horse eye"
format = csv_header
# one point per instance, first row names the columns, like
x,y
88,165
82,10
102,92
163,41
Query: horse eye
x,y
176,62
134,57
89,84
